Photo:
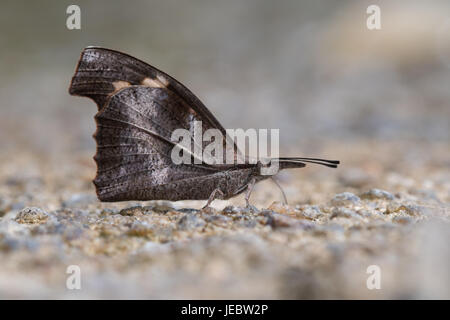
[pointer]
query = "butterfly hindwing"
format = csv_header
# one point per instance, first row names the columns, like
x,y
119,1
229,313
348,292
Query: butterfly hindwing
x,y
134,147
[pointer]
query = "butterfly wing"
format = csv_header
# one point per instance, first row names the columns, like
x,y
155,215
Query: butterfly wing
x,y
134,149
139,107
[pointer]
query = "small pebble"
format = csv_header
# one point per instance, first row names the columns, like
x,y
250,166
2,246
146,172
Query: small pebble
x,y
310,212
132,211
344,213
234,210
31,215
374,194
345,198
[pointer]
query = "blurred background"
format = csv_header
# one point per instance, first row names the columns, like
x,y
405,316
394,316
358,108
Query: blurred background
x,y
378,100
310,68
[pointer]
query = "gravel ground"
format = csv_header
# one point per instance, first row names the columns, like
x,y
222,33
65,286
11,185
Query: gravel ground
x,y
379,100
387,205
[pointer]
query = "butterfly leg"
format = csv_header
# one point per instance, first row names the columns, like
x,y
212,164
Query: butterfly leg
x,y
250,187
213,196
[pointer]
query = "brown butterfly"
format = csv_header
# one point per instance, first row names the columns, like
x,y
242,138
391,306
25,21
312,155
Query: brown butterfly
x,y
139,108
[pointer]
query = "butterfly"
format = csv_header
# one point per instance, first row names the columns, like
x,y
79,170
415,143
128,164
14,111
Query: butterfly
x,y
139,107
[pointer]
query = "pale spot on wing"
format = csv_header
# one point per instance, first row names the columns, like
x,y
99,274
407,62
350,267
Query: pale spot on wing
x,y
162,82
162,79
120,85
155,83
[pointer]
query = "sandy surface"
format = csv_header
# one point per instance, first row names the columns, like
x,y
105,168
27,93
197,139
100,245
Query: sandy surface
x,y
379,100
387,205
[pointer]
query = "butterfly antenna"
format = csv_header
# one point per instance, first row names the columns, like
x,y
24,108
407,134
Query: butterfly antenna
x,y
323,162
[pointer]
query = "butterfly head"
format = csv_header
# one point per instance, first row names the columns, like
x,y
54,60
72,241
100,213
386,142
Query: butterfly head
x,y
267,167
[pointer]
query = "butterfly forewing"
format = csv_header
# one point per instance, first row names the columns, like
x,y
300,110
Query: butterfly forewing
x,y
103,72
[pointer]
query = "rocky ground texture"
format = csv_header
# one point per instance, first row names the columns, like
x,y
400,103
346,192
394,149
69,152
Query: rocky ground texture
x,y
386,206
